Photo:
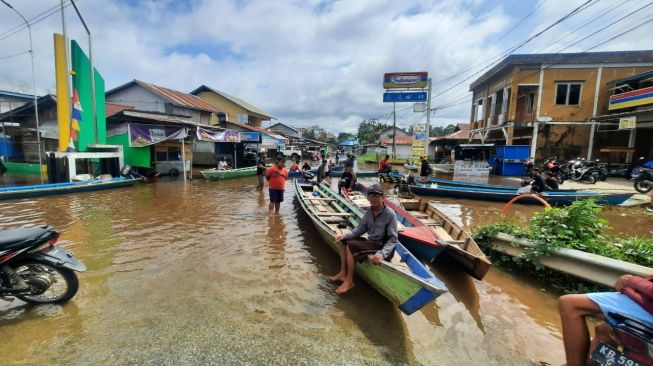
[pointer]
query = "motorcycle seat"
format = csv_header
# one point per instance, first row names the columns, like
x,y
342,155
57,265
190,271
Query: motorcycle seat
x,y
12,237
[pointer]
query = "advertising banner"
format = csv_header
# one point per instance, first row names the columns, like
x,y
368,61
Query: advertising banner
x,y
631,99
143,135
627,123
250,136
217,136
419,142
84,125
393,80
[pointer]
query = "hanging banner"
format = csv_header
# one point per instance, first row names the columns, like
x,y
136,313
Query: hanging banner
x,y
250,136
419,142
272,143
217,136
143,135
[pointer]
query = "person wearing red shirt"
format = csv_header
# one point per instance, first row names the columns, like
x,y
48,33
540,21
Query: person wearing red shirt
x,y
634,299
384,165
276,177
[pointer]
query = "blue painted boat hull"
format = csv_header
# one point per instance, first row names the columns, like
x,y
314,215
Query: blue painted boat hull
x,y
553,197
63,188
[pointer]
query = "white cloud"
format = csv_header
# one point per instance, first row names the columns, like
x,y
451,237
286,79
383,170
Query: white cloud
x,y
318,62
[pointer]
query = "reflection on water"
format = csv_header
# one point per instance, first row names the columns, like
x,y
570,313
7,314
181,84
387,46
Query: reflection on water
x,y
198,273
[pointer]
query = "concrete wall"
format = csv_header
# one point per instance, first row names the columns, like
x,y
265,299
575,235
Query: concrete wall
x,y
387,134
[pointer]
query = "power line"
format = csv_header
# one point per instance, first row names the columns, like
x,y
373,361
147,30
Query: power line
x,y
34,20
14,55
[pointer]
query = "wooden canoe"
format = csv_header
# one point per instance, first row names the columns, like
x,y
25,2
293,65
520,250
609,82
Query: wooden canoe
x,y
404,280
215,174
51,189
462,247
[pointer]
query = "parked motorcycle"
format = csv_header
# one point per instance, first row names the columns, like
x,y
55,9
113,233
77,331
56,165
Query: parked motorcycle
x,y
553,166
585,171
634,341
34,269
644,180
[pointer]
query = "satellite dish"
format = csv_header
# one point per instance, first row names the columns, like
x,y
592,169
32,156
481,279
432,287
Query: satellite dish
x,y
419,107
544,119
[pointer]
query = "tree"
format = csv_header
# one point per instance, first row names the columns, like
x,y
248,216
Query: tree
x,y
368,129
442,131
344,136
314,132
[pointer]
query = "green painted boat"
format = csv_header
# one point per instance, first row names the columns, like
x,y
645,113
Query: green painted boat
x,y
215,174
403,280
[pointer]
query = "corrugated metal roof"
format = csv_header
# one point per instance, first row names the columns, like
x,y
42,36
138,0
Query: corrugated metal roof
x,y
257,129
249,107
114,108
17,95
179,98
166,118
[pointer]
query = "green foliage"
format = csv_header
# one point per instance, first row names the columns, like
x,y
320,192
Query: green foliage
x,y
345,136
368,129
577,226
442,131
314,132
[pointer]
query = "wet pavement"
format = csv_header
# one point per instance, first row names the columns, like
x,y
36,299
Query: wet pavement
x,y
197,272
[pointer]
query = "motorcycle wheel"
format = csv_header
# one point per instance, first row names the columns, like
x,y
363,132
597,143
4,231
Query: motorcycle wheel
x,y
590,179
643,185
560,178
50,284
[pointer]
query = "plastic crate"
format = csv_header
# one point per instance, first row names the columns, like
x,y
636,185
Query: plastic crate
x,y
511,169
516,152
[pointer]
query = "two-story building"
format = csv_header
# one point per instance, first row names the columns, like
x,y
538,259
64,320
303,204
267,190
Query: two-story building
x,y
549,101
159,129
286,130
626,131
236,109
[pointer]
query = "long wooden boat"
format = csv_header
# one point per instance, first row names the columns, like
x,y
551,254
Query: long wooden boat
x,y
427,232
64,188
442,168
459,183
488,194
215,174
337,173
411,166
404,280
462,247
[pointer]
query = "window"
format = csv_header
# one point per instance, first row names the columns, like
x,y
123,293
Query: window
x,y
479,110
568,93
174,154
530,102
161,155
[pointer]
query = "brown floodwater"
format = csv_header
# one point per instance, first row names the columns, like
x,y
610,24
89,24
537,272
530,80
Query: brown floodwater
x,y
197,272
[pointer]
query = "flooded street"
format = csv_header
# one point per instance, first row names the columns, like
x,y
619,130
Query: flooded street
x,y
197,273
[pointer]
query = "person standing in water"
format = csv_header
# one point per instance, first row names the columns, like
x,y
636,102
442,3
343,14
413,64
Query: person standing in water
x,y
260,172
276,176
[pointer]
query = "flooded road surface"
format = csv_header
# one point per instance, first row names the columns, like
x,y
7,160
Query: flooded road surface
x,y
198,273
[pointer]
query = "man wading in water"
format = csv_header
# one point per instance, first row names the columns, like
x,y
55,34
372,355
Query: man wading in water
x,y
276,177
380,224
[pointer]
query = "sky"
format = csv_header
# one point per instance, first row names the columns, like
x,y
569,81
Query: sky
x,y
311,62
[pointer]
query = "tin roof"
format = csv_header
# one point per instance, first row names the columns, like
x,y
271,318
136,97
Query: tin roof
x,y
565,58
17,95
172,96
247,106
115,108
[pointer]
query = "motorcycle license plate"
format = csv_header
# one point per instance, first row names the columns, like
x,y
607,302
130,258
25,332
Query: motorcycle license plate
x,y
606,355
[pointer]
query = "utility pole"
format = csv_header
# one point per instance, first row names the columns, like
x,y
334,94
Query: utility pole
x,y
428,120
36,106
394,129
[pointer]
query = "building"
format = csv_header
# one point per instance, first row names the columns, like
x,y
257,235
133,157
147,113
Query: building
x,y
170,117
403,142
626,130
548,101
440,147
20,143
286,130
236,109
10,100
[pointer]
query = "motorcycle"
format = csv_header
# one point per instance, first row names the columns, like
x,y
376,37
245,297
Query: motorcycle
x,y
634,342
34,269
553,166
644,180
585,171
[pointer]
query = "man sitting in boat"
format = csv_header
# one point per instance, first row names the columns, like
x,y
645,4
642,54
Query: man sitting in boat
x,y
425,170
384,165
306,166
222,164
347,180
380,224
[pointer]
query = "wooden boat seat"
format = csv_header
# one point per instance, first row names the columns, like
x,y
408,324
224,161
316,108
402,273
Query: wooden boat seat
x,y
332,219
442,233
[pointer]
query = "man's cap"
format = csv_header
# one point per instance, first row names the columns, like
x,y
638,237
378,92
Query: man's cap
x,y
375,189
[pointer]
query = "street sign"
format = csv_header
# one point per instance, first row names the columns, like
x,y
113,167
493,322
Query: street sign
x,y
404,97
419,107
405,79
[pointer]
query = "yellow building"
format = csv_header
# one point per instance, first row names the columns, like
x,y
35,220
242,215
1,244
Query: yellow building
x,y
550,101
236,109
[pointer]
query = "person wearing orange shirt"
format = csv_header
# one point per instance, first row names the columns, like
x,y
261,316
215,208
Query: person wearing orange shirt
x,y
276,177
